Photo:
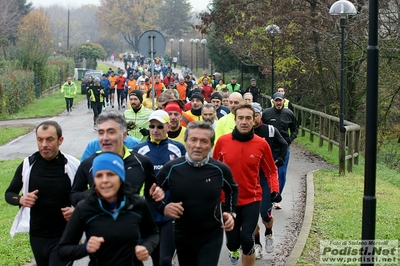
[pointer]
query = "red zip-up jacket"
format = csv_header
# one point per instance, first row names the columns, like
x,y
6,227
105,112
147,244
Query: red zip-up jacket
x,y
245,160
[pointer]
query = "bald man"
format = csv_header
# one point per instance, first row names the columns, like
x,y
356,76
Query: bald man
x,y
227,123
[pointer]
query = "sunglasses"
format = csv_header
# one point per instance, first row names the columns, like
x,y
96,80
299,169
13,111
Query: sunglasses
x,y
158,127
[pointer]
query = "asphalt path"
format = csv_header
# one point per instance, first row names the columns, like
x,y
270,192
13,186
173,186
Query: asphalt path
x,y
78,131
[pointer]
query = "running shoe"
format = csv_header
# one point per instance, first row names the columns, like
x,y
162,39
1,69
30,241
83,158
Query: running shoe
x,y
95,127
108,103
112,106
269,243
123,106
104,108
234,256
277,206
258,251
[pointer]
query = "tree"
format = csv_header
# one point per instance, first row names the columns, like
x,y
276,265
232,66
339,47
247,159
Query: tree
x,y
174,16
11,13
128,18
34,43
91,52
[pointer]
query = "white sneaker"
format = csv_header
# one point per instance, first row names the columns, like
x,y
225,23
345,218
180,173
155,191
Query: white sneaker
x,y
258,251
269,243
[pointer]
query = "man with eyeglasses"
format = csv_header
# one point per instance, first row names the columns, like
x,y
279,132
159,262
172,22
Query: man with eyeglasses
x,y
227,123
160,149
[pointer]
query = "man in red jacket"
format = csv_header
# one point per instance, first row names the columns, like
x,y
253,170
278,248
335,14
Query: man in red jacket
x,y
120,85
168,79
244,152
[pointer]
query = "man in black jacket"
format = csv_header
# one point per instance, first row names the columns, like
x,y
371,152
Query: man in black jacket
x,y
195,202
285,121
279,148
45,180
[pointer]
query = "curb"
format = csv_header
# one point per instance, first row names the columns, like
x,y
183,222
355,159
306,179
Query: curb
x,y
31,263
307,221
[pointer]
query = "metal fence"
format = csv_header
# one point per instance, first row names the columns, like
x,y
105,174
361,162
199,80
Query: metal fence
x,y
326,128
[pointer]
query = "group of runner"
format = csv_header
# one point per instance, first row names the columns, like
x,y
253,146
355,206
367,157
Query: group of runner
x,y
181,157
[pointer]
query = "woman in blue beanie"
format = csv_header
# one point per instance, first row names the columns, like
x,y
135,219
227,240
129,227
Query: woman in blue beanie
x,y
119,227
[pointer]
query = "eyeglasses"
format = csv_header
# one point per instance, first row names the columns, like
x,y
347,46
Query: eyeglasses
x,y
158,127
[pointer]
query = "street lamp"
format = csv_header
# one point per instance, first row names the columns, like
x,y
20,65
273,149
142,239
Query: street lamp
x,y
342,8
196,41
271,31
171,41
181,41
191,53
203,43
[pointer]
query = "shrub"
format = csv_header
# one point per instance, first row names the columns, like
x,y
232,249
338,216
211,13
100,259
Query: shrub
x,y
16,90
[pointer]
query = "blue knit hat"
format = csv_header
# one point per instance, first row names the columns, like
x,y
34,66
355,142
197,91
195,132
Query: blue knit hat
x,y
109,161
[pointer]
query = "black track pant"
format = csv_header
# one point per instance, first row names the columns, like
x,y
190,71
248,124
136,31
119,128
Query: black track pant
x,y
69,102
45,251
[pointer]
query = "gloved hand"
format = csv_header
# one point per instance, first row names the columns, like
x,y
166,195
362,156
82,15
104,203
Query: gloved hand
x,y
276,197
144,132
279,162
288,140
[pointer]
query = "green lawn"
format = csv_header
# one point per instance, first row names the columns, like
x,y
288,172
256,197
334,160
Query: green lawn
x,y
9,133
338,204
14,251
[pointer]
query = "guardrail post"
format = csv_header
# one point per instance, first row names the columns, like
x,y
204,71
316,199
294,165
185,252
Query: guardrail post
x,y
312,127
350,151
303,123
321,131
357,146
331,134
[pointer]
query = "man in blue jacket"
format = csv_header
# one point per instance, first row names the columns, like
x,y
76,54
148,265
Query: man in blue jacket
x,y
105,83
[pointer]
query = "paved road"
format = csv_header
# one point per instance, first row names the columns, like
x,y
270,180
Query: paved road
x,y
78,131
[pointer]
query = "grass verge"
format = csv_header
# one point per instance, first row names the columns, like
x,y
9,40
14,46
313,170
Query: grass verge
x,y
338,204
9,133
50,105
17,250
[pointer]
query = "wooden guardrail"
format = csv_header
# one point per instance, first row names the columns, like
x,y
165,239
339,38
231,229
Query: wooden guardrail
x,y
326,128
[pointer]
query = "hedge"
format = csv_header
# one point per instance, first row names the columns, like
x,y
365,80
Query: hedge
x,y
16,90
17,87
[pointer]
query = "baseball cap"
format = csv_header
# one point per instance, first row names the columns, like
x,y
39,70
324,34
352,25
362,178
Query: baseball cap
x,y
233,77
96,80
159,115
253,79
278,95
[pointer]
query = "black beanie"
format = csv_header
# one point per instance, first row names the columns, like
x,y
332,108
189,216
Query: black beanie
x,y
216,95
198,96
138,94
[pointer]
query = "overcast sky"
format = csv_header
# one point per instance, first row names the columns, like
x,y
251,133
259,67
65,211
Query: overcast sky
x,y
198,5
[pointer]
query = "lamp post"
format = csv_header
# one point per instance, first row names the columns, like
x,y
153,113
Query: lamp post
x,y
271,31
342,8
171,41
196,41
371,125
203,43
181,41
191,53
